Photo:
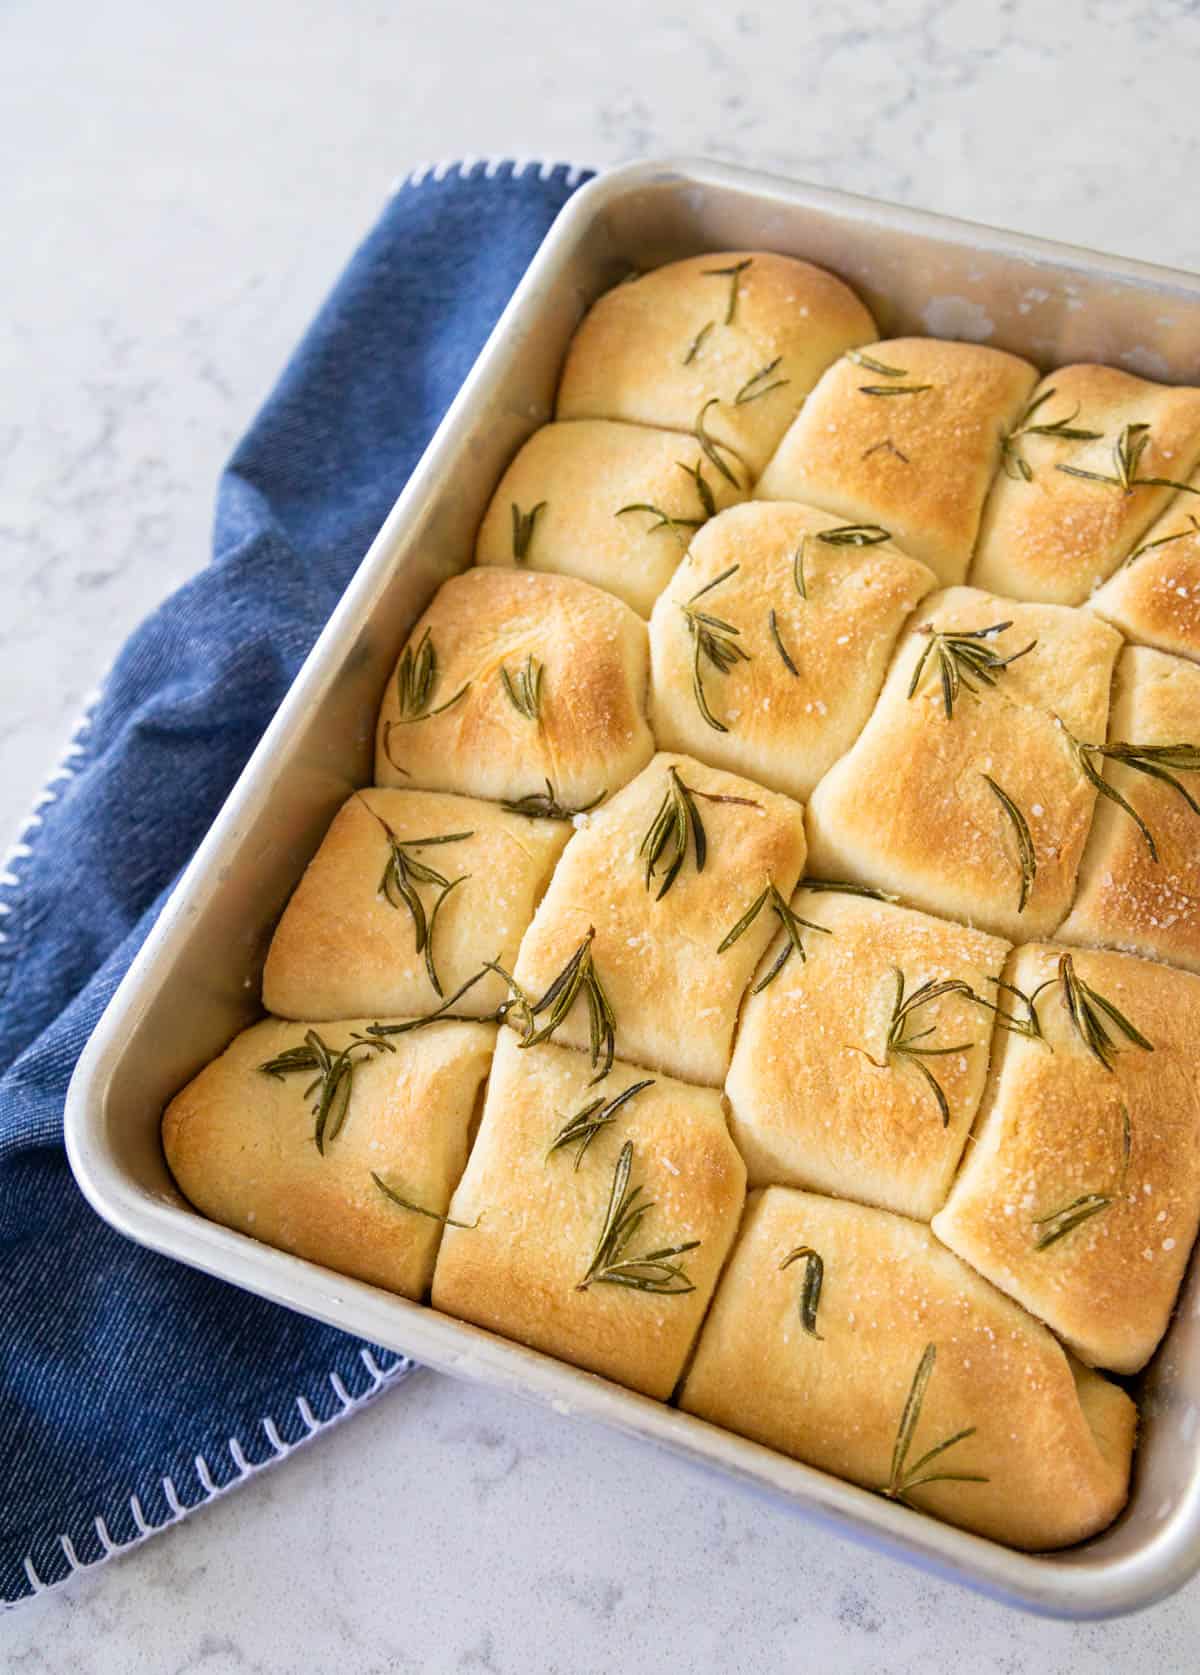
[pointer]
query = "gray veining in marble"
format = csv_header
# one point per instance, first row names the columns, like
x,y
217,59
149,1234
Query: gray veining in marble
x,y
181,185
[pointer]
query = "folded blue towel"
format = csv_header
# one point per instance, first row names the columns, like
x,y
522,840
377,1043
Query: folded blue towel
x,y
131,1388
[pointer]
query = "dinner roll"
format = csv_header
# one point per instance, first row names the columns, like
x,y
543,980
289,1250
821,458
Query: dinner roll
x,y
369,929
651,1164
905,434
850,1339
809,609
511,682
612,504
842,1077
737,336
308,1136
1049,533
980,815
1080,1192
649,899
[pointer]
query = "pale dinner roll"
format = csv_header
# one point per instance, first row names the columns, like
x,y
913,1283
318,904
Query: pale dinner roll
x,y
346,946
241,1145
577,662
1154,596
537,1219
818,1100
674,997
999,1398
1054,536
909,808
1127,898
912,447
612,504
660,347
811,664
1059,1137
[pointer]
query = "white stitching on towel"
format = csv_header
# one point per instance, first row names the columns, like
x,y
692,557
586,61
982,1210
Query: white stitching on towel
x,y
246,1468
489,168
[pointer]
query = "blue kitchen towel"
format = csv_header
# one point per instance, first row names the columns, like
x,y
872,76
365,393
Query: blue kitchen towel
x,y
131,1388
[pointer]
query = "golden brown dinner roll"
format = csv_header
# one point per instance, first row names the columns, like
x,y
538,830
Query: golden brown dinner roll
x,y
850,1339
1154,596
408,894
746,331
644,916
612,504
980,815
1080,1192
575,1247
511,681
1139,881
1050,533
771,643
857,1071
334,1145
905,434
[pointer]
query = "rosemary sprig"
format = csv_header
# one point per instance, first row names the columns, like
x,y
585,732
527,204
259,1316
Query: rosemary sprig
x,y
657,1271
665,520
1015,464
675,824
734,275
1031,1024
1164,540
748,392
1026,851
712,449
704,493
788,661
1091,1014
697,342
417,677
581,1129
418,1209
441,1014
1059,1223
522,529
961,657
870,364
1157,761
537,805
333,1082
792,924
712,639
810,1286
842,887
401,875
1128,449
901,1045
524,689
906,1478
578,977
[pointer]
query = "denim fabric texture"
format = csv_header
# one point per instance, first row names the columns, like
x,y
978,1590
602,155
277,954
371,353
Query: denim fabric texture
x,y
132,1388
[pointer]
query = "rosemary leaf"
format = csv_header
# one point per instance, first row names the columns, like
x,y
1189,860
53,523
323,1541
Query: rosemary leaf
x,y
657,1271
581,1129
810,1286
1030,1025
333,1082
792,926
697,342
524,689
961,657
893,389
1128,449
1164,540
675,525
440,1014
1156,761
783,651
854,535
522,529
418,1209
1056,1226
844,888
869,364
1015,464
1091,1014
714,641
733,274
546,806
904,1477
1026,852
712,449
676,823
704,493
749,392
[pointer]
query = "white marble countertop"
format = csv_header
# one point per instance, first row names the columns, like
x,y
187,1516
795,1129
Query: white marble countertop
x,y
182,185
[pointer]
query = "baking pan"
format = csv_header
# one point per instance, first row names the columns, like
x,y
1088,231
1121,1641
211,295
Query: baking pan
x,y
196,981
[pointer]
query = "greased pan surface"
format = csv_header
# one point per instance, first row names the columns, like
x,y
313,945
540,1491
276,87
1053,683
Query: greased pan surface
x,y
194,983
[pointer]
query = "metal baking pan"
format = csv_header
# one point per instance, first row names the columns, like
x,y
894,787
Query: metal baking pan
x,y
196,981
